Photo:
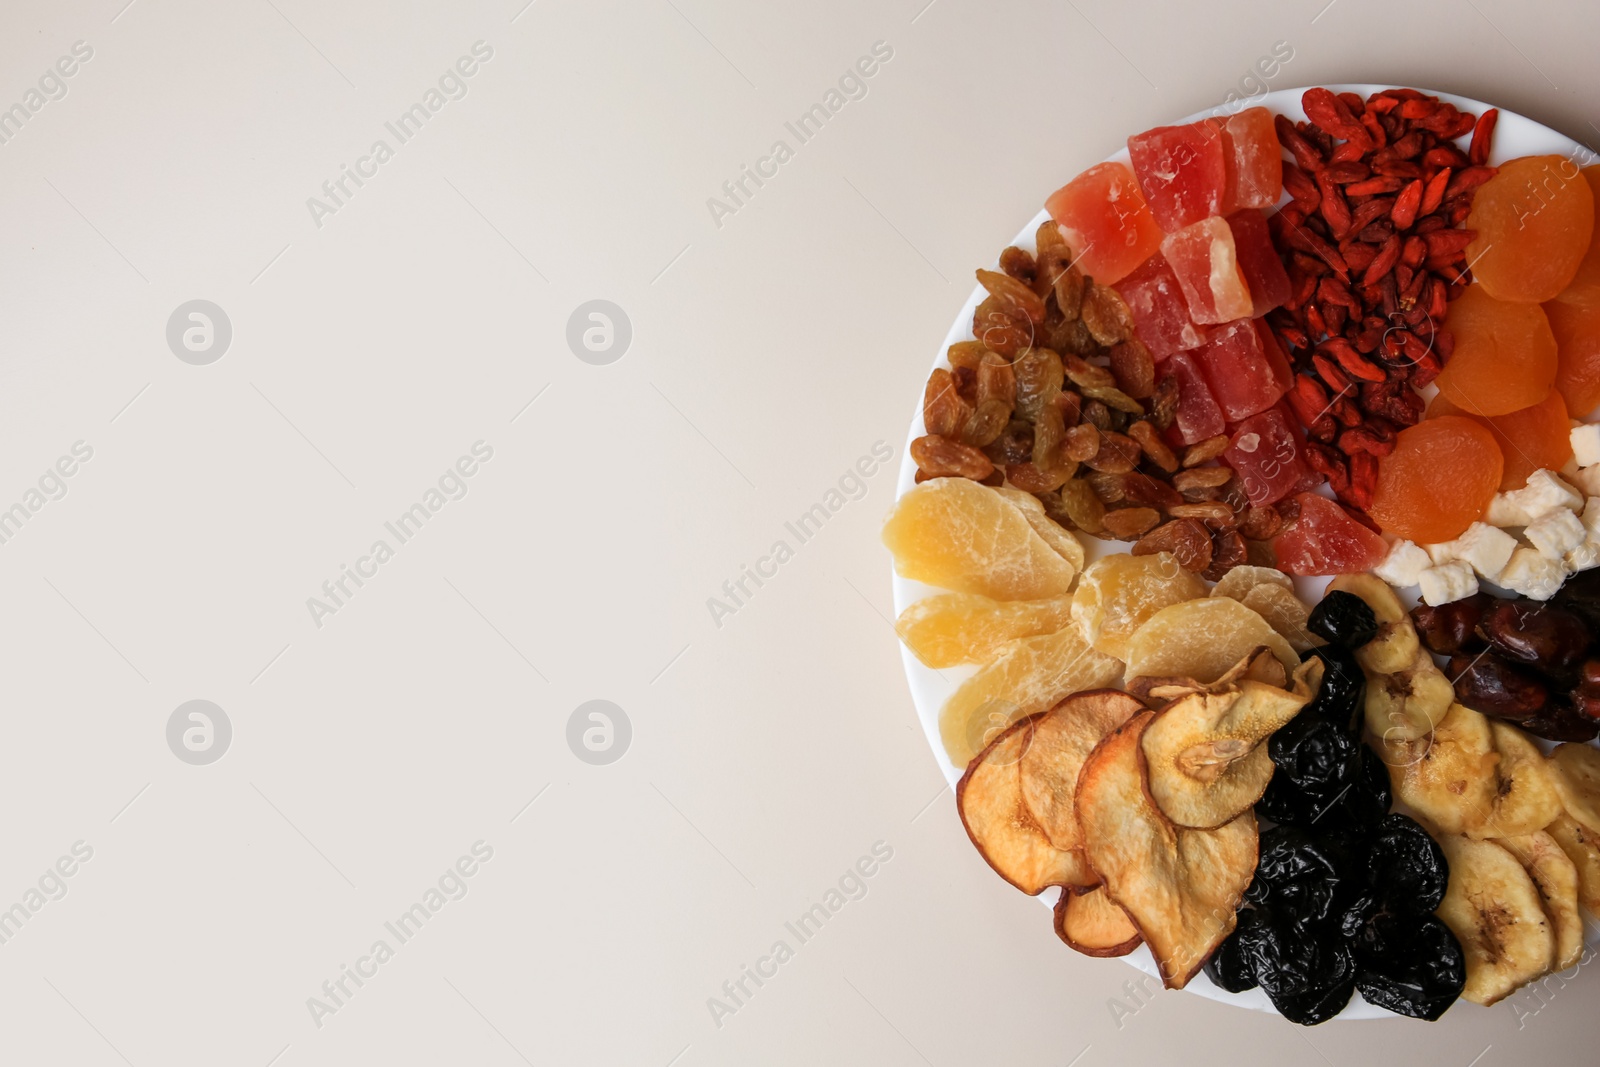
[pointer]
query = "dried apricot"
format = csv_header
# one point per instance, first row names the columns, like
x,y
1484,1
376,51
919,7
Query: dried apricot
x,y
1535,438
1438,480
968,537
1505,354
1534,220
1584,289
1118,593
953,628
1576,328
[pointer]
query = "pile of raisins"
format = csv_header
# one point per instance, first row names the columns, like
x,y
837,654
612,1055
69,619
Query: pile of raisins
x,y
1344,892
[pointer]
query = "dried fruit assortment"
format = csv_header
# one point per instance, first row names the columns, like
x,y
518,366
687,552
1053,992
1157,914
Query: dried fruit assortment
x,y
1201,763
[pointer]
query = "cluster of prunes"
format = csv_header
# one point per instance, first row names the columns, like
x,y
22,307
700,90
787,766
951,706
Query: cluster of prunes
x,y
1531,663
1344,892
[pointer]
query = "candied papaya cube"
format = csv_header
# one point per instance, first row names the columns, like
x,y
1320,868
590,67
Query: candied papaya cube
x,y
1106,221
1265,453
1206,263
1326,540
1181,172
1258,261
1198,416
1160,313
1252,159
1243,375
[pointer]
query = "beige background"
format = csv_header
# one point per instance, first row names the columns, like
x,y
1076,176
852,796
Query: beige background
x,y
769,753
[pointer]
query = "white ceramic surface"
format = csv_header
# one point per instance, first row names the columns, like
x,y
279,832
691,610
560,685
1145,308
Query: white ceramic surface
x,y
1514,136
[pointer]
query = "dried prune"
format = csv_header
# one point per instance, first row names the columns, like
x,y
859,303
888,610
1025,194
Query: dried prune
x,y
1229,968
1410,966
1368,800
1451,628
1309,978
1406,868
1316,761
1343,618
1304,877
1489,684
1548,639
1344,686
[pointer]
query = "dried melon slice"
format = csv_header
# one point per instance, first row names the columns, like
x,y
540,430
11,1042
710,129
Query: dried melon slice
x,y
1284,612
1027,676
1063,737
953,628
1116,594
1094,924
958,534
1202,639
1237,583
1180,887
989,797
1206,753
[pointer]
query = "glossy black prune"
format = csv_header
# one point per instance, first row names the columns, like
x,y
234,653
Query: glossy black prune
x,y
1368,801
1343,618
1228,968
1315,760
1406,868
1490,684
1344,686
1411,966
1451,628
1309,977
1303,877
1543,638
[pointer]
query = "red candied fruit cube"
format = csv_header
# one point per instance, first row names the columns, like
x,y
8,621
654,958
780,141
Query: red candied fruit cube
x,y
1326,540
1245,375
1259,261
1106,221
1160,313
1206,262
1266,454
1198,416
1252,159
1181,171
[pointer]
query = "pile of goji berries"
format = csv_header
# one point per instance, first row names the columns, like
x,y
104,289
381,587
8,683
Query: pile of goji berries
x,y
1374,249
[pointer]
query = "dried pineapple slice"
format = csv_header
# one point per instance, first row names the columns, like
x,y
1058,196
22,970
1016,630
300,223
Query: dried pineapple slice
x,y
1238,582
1284,612
953,628
1203,640
1116,594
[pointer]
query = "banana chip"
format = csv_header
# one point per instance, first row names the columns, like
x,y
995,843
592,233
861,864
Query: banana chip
x,y
1493,908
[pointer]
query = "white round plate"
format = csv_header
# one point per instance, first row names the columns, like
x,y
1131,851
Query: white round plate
x,y
1514,136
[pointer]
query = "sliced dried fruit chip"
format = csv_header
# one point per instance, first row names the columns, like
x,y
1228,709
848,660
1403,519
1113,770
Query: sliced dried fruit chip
x,y
1556,878
953,628
1094,924
964,536
1206,753
1446,776
1063,737
1027,676
1262,665
1408,704
1058,537
1394,647
1117,593
1583,849
1577,779
1493,908
989,797
1526,798
1180,887
1202,639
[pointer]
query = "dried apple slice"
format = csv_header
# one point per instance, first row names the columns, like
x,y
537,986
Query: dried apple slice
x,y
1029,675
1180,887
1261,666
989,797
1094,924
943,631
1206,754
1202,639
1556,878
1063,737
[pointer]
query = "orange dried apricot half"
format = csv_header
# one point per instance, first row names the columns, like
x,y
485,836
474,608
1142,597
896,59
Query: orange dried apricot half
x,y
1576,328
1505,354
1535,438
1438,480
1534,220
